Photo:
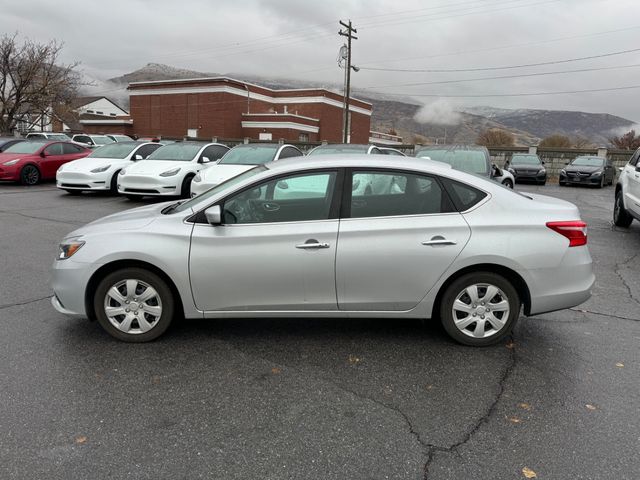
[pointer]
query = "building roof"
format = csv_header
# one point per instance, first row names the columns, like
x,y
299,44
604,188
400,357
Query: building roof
x,y
79,102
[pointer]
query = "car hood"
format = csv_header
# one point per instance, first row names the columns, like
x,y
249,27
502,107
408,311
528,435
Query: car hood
x,y
156,167
581,168
217,174
89,163
133,219
5,157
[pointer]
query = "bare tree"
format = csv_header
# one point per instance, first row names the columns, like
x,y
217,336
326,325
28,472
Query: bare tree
x,y
628,141
582,142
556,141
494,137
33,85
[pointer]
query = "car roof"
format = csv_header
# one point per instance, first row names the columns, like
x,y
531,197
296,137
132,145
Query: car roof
x,y
451,147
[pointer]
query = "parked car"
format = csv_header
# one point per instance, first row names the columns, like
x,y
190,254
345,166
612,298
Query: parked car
x,y
63,137
447,244
527,167
118,137
473,159
100,169
239,159
33,161
92,141
391,151
336,148
169,170
627,198
6,142
588,170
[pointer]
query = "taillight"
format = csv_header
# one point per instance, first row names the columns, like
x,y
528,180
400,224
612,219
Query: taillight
x,y
574,230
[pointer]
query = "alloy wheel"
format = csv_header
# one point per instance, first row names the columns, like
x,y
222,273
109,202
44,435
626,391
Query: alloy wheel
x,y
480,310
133,306
30,175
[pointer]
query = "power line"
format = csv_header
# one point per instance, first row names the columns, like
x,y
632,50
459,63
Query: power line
x,y
508,67
502,77
526,94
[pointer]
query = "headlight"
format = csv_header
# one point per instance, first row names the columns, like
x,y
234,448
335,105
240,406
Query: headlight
x,y
542,170
563,172
101,169
511,171
197,178
11,162
596,174
69,248
123,171
170,173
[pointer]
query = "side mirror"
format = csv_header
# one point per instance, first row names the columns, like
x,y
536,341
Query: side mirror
x,y
205,160
137,157
282,185
213,215
43,154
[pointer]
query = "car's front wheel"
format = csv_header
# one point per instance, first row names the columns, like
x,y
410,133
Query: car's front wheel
x,y
479,308
29,175
508,183
185,189
134,305
621,217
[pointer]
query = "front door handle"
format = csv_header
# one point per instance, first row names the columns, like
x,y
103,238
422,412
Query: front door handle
x,y
439,241
312,244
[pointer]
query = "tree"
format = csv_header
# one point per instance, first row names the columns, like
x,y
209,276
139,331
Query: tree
x,y
628,141
33,85
582,142
494,137
556,141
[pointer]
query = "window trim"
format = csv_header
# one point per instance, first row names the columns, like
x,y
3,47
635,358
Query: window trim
x,y
334,207
345,211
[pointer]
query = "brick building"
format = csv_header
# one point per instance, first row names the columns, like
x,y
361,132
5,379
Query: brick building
x,y
227,108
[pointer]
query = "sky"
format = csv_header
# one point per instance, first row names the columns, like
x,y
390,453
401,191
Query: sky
x,y
299,39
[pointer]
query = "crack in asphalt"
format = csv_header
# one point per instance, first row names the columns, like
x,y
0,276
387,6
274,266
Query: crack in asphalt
x,y
433,449
581,310
26,302
8,212
617,268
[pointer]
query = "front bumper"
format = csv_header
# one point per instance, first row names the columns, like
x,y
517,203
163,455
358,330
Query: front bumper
x,y
530,177
200,187
69,281
151,185
580,180
10,173
83,181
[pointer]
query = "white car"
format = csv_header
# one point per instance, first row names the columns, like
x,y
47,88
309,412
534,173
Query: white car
x,y
627,200
99,171
62,137
169,170
240,159
92,141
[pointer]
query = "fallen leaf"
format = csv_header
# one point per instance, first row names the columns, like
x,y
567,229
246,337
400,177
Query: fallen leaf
x,y
275,370
619,365
81,440
429,387
387,390
514,420
155,379
524,406
353,359
527,472
591,407
510,344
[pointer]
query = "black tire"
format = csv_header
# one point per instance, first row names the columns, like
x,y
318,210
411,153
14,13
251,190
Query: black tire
x,y
29,175
508,183
563,184
621,217
74,193
507,292
542,183
185,188
164,299
113,185
601,184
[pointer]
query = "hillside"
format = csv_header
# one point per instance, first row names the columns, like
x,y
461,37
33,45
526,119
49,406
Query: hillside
x,y
393,113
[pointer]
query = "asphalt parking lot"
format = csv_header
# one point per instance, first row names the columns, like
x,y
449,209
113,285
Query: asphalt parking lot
x,y
314,399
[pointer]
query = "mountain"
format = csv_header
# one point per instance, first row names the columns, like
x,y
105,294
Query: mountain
x,y
391,113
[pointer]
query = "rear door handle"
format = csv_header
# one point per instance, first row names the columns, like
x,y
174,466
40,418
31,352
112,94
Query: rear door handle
x,y
439,241
312,244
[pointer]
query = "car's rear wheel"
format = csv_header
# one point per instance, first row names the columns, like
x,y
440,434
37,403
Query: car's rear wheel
x,y
508,183
134,305
621,217
29,175
479,308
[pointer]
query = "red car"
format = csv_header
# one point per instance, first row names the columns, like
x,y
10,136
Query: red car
x,y
32,161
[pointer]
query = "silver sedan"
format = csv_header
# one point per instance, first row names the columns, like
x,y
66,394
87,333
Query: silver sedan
x,y
297,238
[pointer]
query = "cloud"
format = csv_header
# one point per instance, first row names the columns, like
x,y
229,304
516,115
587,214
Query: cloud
x,y
439,112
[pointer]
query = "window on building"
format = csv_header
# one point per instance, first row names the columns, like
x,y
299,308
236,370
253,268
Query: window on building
x,y
303,137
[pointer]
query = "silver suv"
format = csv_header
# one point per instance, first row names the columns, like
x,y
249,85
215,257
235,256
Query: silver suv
x,y
627,202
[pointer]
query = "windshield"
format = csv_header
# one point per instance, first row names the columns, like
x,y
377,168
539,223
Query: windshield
x,y
525,160
220,187
331,149
470,161
121,138
180,152
249,155
584,161
102,139
24,147
114,150
57,136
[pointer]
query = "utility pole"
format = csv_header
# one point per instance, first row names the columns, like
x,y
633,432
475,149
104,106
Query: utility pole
x,y
348,32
